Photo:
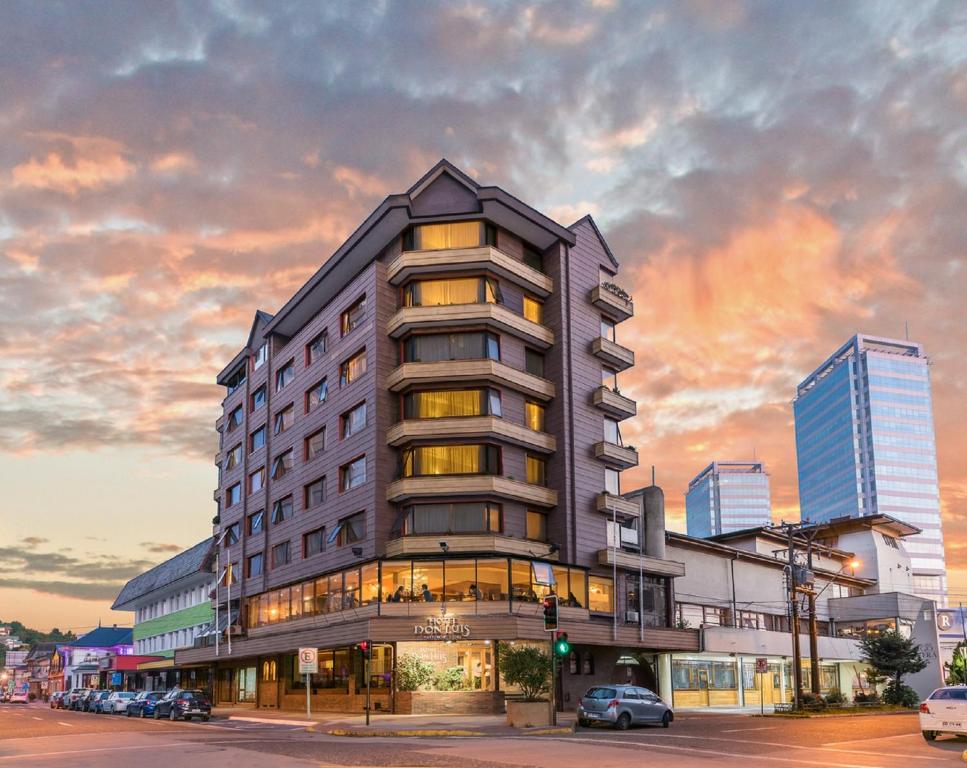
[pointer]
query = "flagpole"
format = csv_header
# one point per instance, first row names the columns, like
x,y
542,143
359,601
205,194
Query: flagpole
x,y
217,580
228,600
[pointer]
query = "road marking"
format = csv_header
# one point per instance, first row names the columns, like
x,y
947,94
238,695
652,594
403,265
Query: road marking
x,y
32,755
878,738
738,730
69,725
36,718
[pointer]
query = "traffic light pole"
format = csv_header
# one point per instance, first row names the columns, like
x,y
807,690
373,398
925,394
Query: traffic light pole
x,y
551,699
368,676
794,622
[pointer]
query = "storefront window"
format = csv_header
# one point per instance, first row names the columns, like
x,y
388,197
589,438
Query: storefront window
x,y
245,684
370,584
701,675
428,581
492,579
397,582
521,581
600,594
461,580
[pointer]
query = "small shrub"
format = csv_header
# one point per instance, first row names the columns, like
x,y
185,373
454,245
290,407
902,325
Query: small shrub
x,y
902,696
867,698
412,672
835,696
528,668
32,696
812,701
450,679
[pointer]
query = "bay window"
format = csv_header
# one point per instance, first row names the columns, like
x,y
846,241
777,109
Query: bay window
x,y
448,291
461,517
428,460
439,347
451,234
447,403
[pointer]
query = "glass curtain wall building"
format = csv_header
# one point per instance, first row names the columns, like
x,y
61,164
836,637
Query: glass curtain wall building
x,y
865,446
728,496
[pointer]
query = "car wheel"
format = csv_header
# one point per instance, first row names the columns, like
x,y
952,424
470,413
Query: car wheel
x,y
206,718
127,713
623,722
666,720
584,723
172,715
157,713
930,735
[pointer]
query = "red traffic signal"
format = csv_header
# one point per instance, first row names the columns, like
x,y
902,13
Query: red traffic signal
x,y
366,649
550,613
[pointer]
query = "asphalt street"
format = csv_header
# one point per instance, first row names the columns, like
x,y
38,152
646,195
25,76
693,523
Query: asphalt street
x,y
34,735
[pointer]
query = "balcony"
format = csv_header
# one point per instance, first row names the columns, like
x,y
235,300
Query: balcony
x,y
469,371
457,315
612,301
470,426
610,504
471,485
632,561
459,543
618,357
614,403
615,455
410,263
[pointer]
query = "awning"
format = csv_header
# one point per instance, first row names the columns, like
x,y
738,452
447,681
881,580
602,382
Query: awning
x,y
208,630
162,664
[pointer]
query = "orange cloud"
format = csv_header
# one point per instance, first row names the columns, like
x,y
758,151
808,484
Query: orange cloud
x,y
83,162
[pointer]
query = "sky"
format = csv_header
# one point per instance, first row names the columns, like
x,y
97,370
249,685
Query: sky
x,y
773,177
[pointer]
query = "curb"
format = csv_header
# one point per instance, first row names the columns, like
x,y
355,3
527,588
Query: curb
x,y
271,720
440,732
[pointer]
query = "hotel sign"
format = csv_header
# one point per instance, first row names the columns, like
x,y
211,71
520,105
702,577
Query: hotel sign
x,y
442,628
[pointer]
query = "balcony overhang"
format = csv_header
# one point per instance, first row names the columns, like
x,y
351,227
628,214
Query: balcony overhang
x,y
632,561
471,485
469,371
462,543
613,403
616,455
470,426
618,357
610,504
611,304
411,263
459,315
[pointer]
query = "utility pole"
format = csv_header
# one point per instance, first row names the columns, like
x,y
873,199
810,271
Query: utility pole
x,y
794,619
813,630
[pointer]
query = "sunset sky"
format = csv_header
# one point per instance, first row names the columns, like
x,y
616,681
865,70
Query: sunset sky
x,y
773,177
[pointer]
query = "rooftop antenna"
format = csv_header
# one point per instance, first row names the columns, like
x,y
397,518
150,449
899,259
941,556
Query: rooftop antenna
x,y
652,474
906,330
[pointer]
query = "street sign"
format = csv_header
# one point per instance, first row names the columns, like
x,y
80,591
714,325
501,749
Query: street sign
x,y
762,665
308,661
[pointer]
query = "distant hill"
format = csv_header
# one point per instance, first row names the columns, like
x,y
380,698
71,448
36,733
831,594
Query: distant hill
x,y
30,637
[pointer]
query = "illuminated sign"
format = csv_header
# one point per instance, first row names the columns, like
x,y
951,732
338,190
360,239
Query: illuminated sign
x,y
442,628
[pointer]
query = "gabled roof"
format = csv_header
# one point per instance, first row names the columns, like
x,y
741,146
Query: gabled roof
x,y
259,322
604,243
104,637
185,563
41,650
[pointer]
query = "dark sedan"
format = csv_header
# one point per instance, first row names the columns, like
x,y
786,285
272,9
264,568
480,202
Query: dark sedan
x,y
87,702
184,705
144,703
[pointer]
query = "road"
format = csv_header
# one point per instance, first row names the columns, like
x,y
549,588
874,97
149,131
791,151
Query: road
x,y
33,735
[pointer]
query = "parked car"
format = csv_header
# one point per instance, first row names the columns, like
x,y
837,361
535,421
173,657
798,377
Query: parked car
x,y
92,696
19,697
623,706
5,697
55,699
143,704
116,702
184,704
75,696
944,711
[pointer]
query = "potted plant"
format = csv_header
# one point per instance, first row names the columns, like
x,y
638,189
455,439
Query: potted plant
x,y
529,669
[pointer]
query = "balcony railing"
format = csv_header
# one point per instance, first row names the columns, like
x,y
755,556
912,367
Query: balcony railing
x,y
613,301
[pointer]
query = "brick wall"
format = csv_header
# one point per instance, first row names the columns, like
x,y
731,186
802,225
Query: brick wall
x,y
449,702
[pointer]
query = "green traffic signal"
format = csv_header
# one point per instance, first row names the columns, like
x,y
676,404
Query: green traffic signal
x,y
561,646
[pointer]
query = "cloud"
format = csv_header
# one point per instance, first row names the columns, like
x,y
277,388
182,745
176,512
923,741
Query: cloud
x,y
33,541
161,549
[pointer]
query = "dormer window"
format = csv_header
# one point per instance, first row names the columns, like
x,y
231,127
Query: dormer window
x,y
261,357
452,234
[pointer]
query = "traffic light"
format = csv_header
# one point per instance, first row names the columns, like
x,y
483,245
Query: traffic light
x,y
366,649
550,613
561,646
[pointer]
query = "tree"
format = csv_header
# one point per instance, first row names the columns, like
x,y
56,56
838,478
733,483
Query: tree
x,y
528,668
893,655
957,668
412,672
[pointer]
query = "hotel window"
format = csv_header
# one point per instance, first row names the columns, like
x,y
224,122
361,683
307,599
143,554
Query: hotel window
x,y
284,419
316,348
352,475
284,376
536,525
353,368
254,566
453,234
233,495
256,480
449,291
315,444
534,363
255,522
313,543
234,457
258,398
608,329
235,419
429,460
609,379
353,421
600,594
534,416
315,493
352,317
612,481
261,356
282,465
533,258
282,510
440,347
233,534
533,309
459,517
351,529
236,380
612,433
317,395
536,470
257,439
448,403
280,554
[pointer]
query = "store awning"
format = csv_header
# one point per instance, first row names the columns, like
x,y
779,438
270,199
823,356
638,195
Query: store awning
x,y
161,664
208,630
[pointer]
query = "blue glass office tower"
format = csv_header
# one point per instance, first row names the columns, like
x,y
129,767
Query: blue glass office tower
x,y
728,496
865,446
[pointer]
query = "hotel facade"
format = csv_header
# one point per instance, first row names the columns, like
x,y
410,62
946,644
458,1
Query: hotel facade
x,y
417,447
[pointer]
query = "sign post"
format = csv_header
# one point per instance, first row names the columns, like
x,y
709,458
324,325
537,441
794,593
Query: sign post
x,y
308,665
762,667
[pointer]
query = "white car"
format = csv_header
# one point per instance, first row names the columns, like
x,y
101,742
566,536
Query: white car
x,y
117,702
19,697
944,711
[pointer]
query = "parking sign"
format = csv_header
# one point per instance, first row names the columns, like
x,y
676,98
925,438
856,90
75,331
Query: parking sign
x,y
308,661
762,665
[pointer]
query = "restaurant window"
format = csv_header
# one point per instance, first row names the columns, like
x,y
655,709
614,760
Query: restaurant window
x,y
449,291
440,347
430,460
255,522
313,542
261,356
235,419
428,581
280,554
281,510
536,468
234,457
258,398
369,584
233,495
257,439
492,579
315,493
353,474
236,380
282,465
295,601
316,348
233,534
609,379
453,234
612,481
353,368
536,525
578,596
317,395
284,419
600,594
451,403
534,362
351,529
534,415
608,329
284,376
353,421
353,316
254,565
459,517
460,580
533,309
256,480
315,444
533,258
397,581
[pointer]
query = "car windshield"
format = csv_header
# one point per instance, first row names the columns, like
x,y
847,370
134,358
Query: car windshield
x,y
154,695
125,695
601,693
959,694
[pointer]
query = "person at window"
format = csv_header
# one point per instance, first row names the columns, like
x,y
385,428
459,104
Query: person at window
x,y
427,595
572,601
475,594
397,596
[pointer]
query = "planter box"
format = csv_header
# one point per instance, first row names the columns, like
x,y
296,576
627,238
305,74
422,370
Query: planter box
x,y
524,714
449,702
